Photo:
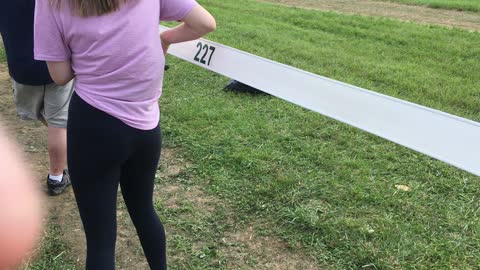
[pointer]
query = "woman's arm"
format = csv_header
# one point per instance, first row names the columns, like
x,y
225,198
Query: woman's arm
x,y
61,72
196,24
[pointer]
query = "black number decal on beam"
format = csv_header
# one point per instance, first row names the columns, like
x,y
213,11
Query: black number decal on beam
x,y
199,46
211,54
206,48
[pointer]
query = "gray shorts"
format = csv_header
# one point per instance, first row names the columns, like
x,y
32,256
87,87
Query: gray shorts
x,y
47,103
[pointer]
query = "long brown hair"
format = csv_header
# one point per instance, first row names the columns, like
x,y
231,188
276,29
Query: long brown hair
x,y
87,8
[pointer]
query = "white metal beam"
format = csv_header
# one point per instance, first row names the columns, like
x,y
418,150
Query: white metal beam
x,y
440,135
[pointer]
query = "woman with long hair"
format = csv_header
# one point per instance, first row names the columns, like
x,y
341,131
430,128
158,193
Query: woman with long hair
x,y
113,50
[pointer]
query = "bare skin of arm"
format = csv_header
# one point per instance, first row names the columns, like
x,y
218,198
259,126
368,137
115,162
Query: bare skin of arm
x,y
196,24
61,72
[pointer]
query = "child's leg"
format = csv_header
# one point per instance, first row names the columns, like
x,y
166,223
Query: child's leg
x,y
98,145
55,113
137,182
96,196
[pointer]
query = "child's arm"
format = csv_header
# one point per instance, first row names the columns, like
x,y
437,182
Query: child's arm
x,y
49,44
196,24
61,72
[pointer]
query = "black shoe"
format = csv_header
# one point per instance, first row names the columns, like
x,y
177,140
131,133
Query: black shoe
x,y
56,188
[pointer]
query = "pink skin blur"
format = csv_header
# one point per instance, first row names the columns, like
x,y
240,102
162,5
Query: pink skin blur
x,y
20,206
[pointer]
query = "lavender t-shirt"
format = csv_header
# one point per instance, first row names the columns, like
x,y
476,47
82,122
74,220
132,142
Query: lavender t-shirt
x,y
117,58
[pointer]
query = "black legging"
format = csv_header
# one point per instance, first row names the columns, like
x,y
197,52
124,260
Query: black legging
x,y
103,152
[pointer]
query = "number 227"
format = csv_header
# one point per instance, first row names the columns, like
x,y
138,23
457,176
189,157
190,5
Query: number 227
x,y
205,48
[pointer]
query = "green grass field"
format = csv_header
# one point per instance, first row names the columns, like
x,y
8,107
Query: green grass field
x,y
53,254
325,188
468,5
318,182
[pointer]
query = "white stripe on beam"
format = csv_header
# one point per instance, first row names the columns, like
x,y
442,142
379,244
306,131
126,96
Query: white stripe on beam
x,y
440,135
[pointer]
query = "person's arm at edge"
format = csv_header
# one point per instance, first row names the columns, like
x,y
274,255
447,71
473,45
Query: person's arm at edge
x,y
21,204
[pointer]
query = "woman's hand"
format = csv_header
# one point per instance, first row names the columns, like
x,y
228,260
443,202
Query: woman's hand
x,y
165,43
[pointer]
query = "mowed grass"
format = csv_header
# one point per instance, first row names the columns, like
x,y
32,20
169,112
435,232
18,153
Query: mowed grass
x,y
319,184
467,5
52,254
